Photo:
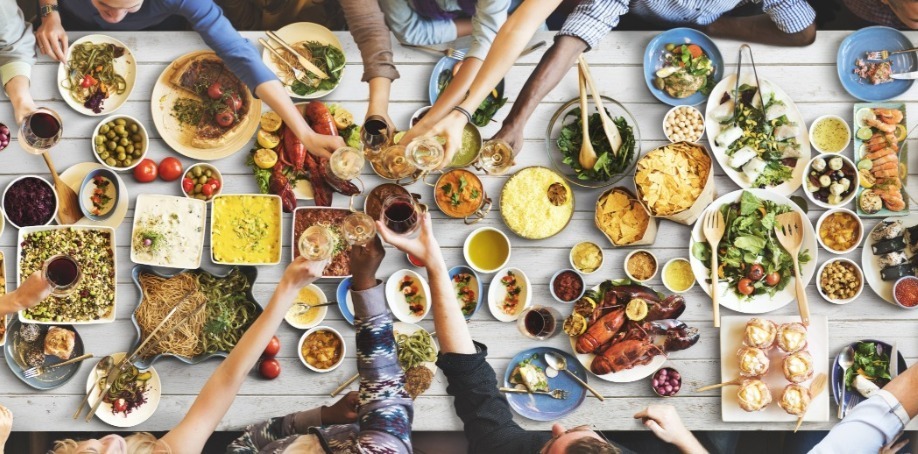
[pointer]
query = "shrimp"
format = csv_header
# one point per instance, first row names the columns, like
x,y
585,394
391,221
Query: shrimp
x,y
891,195
889,116
883,152
882,161
879,141
881,125
884,166
885,173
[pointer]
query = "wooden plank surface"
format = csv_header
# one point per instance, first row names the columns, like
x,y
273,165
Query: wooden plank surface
x,y
807,74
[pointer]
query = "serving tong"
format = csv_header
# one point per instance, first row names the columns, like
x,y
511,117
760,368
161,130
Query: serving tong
x,y
739,69
304,62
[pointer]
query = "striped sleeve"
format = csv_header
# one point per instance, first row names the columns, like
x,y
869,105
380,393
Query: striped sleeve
x,y
790,16
592,20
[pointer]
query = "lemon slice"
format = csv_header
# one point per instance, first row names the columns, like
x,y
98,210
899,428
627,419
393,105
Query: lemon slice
x,y
265,158
271,122
575,325
636,310
343,118
901,132
267,139
866,179
398,136
585,306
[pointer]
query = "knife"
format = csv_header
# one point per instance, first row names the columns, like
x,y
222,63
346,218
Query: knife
x,y
894,361
904,76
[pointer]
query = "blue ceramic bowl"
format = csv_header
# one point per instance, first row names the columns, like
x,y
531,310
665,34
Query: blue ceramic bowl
x,y
873,39
87,187
476,283
653,60
345,303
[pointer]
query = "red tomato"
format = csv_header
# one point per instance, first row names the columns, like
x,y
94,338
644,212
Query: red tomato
x,y
756,272
273,348
214,182
207,190
187,185
145,172
773,278
120,406
215,90
695,50
745,287
233,102
269,368
225,118
170,169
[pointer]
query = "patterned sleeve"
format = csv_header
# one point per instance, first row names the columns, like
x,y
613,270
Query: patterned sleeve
x,y
790,16
592,20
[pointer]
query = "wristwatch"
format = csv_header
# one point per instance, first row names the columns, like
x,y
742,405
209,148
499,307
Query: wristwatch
x,y
45,10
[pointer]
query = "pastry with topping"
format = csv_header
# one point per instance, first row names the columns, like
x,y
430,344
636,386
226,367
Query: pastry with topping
x,y
753,395
792,337
798,367
760,333
795,399
753,362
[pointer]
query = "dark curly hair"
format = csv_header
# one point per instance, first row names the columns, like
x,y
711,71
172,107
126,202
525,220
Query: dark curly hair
x,y
591,445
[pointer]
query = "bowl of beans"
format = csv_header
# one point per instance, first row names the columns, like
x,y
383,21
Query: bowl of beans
x,y
839,230
321,349
683,123
567,286
202,182
666,382
905,292
120,142
840,281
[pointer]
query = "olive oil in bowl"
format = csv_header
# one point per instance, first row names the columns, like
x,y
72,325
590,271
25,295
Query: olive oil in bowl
x,y
487,250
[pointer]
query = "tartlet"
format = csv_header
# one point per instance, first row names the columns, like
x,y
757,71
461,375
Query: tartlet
x,y
753,362
760,333
792,337
753,395
798,367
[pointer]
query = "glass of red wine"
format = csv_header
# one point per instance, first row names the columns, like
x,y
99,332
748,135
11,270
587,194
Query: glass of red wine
x,y
538,322
402,213
375,134
40,130
63,273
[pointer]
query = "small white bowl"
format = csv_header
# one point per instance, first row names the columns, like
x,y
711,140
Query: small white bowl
x,y
465,250
320,311
299,348
824,118
216,175
656,263
53,192
672,112
396,299
551,286
826,215
602,258
896,300
860,274
827,157
144,138
497,291
666,284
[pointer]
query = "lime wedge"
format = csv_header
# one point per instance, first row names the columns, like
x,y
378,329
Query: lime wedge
x,y
864,133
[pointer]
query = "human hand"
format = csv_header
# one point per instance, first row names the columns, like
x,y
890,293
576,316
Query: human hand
x,y
302,272
365,261
450,129
424,247
22,110
35,289
511,134
894,446
321,145
52,38
344,411
664,422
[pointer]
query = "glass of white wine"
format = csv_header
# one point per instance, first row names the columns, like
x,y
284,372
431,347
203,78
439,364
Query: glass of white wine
x,y
395,163
496,157
346,163
425,153
316,243
359,228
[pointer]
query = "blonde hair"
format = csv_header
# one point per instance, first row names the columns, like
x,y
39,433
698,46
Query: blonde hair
x,y
139,443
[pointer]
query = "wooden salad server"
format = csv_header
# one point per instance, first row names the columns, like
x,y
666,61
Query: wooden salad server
x,y
587,153
68,204
816,388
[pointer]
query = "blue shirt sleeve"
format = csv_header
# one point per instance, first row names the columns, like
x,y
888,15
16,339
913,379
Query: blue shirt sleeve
x,y
790,16
871,425
410,28
237,52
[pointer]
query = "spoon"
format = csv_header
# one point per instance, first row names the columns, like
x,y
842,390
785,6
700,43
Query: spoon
x,y
68,210
587,153
306,307
103,367
559,363
845,360
816,388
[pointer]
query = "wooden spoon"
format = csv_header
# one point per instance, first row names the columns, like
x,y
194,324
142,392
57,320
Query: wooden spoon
x,y
789,230
587,153
735,382
68,210
612,133
816,388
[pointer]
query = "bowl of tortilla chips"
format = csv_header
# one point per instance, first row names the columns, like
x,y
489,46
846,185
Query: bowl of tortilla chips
x,y
675,181
622,218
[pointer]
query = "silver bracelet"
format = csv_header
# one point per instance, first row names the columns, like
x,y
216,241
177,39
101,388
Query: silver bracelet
x,y
461,110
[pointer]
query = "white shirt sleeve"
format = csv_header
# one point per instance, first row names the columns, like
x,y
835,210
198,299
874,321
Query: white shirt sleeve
x,y
489,16
17,43
871,425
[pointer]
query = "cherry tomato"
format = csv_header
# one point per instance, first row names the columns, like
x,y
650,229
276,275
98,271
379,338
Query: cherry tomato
x,y
119,406
187,185
269,368
745,286
233,102
273,348
225,118
207,190
145,172
214,182
215,90
88,81
170,169
773,278
756,272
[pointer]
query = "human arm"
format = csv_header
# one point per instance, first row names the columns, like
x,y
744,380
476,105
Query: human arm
x,y
785,23
368,27
664,422
17,55
30,293
220,390
450,97
51,36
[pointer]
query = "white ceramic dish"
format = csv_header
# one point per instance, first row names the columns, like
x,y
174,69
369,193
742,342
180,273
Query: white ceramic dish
x,y
465,250
497,292
667,265
411,328
694,112
299,348
822,219
475,284
145,138
126,66
73,177
321,312
824,118
602,258
731,339
215,174
278,223
656,265
896,298
295,33
3,200
4,320
860,275
761,303
396,298
153,206
88,189
870,264
551,286
626,376
139,414
827,157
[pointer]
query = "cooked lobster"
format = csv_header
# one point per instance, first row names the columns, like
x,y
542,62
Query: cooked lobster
x,y
278,184
602,331
294,152
642,342
322,191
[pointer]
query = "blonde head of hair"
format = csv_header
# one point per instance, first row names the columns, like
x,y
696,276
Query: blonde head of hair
x,y
139,443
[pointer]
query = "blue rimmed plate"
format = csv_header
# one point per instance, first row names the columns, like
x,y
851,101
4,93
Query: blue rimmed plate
x,y
16,348
447,64
542,407
838,376
653,60
345,303
875,38
475,284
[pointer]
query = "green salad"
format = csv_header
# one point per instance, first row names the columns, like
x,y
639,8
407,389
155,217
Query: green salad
x,y
326,57
488,108
608,164
750,257
868,362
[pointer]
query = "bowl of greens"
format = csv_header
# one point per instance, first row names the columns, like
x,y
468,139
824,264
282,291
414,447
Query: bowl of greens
x,y
314,43
444,72
564,137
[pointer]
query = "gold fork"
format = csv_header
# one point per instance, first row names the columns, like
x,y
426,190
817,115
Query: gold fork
x,y
789,230
713,228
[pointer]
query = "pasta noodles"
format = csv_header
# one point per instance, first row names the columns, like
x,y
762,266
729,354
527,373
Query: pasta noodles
x,y
159,297
415,350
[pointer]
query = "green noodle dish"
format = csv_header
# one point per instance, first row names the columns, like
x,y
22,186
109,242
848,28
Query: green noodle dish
x,y
91,76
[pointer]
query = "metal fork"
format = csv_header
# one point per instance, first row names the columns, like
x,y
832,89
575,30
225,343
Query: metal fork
x,y
40,370
880,55
298,74
559,394
449,51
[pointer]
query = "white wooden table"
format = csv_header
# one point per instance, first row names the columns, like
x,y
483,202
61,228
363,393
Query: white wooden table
x,y
806,74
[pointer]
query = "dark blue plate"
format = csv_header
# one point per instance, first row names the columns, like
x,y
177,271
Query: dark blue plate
x,y
838,376
343,295
541,407
15,347
480,289
447,63
857,44
653,60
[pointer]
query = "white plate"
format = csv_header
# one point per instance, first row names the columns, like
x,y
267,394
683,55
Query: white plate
x,y
396,299
626,376
761,303
870,263
73,177
497,291
713,128
295,33
126,66
184,258
139,414
731,339
411,328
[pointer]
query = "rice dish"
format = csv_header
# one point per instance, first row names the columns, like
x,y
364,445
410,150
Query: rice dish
x,y
536,203
893,259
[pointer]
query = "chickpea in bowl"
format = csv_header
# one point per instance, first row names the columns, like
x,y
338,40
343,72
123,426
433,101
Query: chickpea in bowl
x,y
683,123
840,281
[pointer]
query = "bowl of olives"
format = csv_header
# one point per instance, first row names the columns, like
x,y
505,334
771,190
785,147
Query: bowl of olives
x,y
202,181
120,142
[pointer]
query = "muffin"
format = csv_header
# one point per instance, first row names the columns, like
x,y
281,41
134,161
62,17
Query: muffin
x,y
798,367
753,362
29,332
792,337
795,399
753,395
760,333
33,357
